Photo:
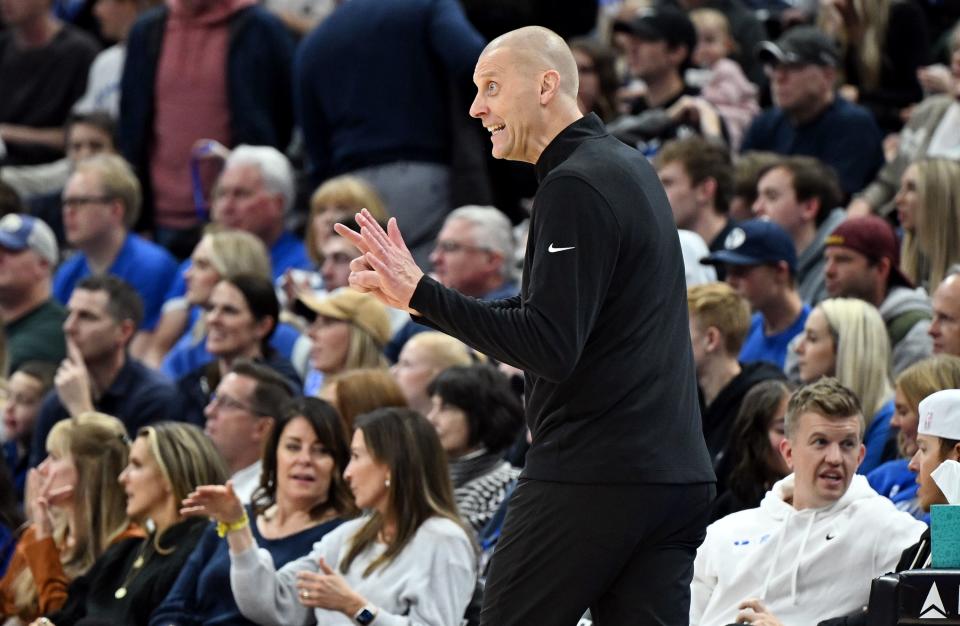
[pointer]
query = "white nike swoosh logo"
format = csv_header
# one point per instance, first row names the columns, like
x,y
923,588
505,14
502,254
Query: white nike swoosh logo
x,y
551,248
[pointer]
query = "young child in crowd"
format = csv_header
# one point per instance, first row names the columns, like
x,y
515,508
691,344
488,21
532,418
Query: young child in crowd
x,y
26,388
722,81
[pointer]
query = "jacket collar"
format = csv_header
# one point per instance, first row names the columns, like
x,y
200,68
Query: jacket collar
x,y
563,145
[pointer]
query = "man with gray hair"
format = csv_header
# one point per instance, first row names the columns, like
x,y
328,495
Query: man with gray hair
x,y
474,255
254,193
101,203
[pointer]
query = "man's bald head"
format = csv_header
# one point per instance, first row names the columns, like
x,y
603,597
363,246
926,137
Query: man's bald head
x,y
539,49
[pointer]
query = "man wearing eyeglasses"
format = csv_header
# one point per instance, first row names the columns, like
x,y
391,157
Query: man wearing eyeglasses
x,y
101,203
474,254
240,416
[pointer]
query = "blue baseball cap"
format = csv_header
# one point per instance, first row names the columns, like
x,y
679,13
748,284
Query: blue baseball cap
x,y
755,242
19,232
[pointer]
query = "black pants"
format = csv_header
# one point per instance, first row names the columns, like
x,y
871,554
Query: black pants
x,y
623,551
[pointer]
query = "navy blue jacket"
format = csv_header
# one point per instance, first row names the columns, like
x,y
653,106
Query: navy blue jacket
x,y
137,396
259,65
845,137
372,83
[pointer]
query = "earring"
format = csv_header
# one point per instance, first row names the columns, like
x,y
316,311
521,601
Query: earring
x,y
386,483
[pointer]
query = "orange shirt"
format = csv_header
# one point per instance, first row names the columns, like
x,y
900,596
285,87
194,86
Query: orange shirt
x,y
43,558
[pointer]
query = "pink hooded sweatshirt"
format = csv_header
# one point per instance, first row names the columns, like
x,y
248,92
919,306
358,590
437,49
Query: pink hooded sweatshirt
x,y
191,101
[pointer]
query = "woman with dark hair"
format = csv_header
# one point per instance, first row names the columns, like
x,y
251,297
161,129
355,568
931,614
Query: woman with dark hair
x,y
302,497
477,417
408,561
755,445
241,315
168,460
596,67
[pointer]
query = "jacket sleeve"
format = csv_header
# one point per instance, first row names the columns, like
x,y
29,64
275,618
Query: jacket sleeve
x,y
703,583
899,531
455,40
43,558
576,243
263,594
922,123
310,116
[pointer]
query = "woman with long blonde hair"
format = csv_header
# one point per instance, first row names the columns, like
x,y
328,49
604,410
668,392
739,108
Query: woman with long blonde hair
x,y
882,43
77,510
928,205
894,479
846,338
168,460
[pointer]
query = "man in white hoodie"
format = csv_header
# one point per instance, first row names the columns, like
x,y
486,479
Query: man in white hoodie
x,y
819,536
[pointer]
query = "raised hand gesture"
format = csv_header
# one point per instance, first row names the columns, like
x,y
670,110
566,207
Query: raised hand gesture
x,y
386,268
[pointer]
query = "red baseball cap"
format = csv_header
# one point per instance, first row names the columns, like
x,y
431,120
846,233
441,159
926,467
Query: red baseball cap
x,y
874,238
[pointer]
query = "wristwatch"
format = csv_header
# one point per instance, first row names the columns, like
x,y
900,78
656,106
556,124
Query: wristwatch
x,y
365,616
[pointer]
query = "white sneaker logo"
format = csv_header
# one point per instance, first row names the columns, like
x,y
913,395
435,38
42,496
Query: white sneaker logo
x,y
551,248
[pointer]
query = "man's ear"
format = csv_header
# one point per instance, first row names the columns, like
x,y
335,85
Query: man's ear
x,y
678,54
263,426
549,86
119,210
786,450
884,267
810,208
706,189
127,330
714,338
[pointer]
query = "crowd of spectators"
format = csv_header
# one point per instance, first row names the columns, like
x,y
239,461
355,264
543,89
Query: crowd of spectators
x,y
180,343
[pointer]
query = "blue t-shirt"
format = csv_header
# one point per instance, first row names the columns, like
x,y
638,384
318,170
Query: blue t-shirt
x,y
770,348
147,267
202,593
875,438
287,252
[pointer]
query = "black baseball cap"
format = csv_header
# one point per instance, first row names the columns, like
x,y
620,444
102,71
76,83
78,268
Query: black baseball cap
x,y
755,242
661,24
801,45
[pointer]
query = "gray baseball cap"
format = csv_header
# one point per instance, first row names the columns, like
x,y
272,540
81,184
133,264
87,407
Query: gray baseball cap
x,y
19,232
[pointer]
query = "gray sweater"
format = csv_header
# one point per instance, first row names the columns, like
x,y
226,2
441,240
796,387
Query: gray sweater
x,y
429,583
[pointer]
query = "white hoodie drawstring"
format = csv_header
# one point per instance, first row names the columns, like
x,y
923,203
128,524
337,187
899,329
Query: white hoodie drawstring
x,y
776,555
796,566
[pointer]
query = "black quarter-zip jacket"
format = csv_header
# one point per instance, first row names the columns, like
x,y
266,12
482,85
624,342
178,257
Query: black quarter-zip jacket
x,y
600,326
